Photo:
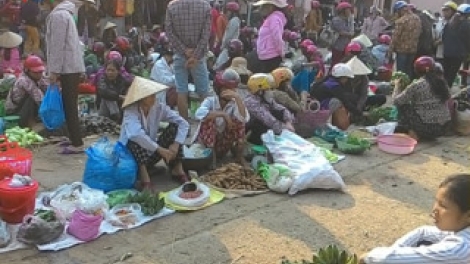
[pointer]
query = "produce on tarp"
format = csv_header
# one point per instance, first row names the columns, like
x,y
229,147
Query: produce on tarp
x,y
97,125
235,177
24,136
387,113
41,228
151,203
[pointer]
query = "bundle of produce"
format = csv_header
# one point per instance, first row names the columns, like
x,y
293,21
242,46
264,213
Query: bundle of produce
x,y
352,145
387,113
24,136
235,177
400,78
97,125
41,228
150,203
328,255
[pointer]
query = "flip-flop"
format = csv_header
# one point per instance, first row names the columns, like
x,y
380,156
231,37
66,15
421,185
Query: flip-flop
x,y
64,143
68,151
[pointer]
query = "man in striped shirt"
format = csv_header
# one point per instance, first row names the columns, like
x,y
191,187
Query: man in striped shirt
x,y
188,26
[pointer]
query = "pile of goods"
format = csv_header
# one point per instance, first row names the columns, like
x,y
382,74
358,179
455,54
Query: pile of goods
x,y
328,255
189,195
125,215
24,136
235,177
352,144
150,203
98,125
387,113
41,228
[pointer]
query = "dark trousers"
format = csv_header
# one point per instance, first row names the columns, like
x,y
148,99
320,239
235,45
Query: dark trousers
x,y
375,101
466,66
405,63
27,111
69,83
267,66
451,68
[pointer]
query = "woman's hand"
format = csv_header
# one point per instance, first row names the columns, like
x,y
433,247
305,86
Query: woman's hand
x,y
229,95
165,154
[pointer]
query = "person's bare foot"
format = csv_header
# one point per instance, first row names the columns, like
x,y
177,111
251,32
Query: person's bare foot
x,y
413,135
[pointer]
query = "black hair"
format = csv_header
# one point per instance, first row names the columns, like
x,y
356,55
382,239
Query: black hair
x,y
438,85
458,190
244,78
166,52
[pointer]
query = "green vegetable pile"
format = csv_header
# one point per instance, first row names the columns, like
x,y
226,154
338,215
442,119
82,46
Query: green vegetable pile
x,y
404,79
386,113
357,141
150,203
24,136
330,156
328,255
118,197
46,215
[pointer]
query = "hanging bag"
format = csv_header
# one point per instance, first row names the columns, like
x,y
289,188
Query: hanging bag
x,y
51,110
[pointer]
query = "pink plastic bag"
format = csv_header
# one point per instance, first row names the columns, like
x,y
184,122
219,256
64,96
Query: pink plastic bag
x,y
83,226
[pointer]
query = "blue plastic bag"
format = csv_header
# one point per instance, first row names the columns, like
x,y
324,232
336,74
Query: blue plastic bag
x,y
51,110
110,166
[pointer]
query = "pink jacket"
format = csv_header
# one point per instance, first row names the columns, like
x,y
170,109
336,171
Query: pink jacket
x,y
14,63
270,44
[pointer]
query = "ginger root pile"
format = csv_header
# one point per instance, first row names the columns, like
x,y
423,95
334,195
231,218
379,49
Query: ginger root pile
x,y
234,177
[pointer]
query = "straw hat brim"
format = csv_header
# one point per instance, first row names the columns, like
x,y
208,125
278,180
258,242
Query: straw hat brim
x,y
358,67
10,40
276,3
364,40
141,88
110,25
241,70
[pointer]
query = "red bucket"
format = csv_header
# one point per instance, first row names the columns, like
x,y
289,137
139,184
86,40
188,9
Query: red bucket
x,y
14,159
16,202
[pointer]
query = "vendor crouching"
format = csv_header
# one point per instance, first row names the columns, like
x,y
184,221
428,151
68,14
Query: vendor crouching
x,y
112,88
264,111
284,94
422,106
26,95
139,130
223,117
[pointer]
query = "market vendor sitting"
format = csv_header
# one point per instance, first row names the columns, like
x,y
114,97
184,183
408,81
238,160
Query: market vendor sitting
x,y
284,94
140,127
422,106
112,88
365,99
235,49
334,92
223,118
26,95
265,113
115,56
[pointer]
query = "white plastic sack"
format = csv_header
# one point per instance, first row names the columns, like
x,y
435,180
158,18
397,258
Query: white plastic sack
x,y
174,196
310,168
280,178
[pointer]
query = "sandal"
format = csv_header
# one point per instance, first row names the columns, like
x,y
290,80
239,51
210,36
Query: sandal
x,y
70,150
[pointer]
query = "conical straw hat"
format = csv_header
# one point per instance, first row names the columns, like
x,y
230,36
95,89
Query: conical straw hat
x,y
10,40
109,25
364,40
358,67
141,88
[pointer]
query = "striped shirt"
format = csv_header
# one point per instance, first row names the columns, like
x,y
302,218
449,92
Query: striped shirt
x,y
447,247
188,26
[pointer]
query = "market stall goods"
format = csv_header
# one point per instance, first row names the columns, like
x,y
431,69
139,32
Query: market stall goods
x,y
234,176
41,228
98,125
150,203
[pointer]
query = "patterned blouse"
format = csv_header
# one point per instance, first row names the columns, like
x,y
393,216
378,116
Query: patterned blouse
x,y
406,34
262,111
427,105
23,88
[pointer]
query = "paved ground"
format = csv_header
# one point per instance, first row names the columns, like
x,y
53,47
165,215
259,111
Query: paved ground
x,y
388,195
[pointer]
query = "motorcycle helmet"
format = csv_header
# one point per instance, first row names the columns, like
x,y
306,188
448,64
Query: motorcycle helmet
x,y
261,82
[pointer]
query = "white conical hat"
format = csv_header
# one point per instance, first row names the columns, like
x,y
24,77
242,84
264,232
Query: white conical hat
x,y
364,40
109,25
141,88
358,67
10,40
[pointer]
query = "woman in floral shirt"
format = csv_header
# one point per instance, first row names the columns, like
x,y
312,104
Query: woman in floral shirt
x,y
264,111
26,95
422,106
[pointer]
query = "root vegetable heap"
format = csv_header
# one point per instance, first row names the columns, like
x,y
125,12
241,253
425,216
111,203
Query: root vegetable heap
x,y
235,177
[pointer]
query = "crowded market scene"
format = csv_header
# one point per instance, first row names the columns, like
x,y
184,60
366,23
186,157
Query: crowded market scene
x,y
235,131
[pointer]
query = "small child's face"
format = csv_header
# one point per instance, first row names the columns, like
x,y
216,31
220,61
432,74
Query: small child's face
x,y
447,214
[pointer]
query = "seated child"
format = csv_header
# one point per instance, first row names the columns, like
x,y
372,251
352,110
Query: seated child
x,y
284,94
27,93
111,89
265,113
222,118
448,241
380,51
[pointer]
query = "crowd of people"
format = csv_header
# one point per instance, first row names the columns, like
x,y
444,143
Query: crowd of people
x,y
254,90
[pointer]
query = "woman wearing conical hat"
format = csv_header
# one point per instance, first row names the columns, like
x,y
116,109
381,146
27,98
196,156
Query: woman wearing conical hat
x,y
141,120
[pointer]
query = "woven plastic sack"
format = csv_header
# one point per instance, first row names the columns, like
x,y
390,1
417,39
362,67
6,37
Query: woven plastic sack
x,y
110,166
51,110
83,226
36,231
